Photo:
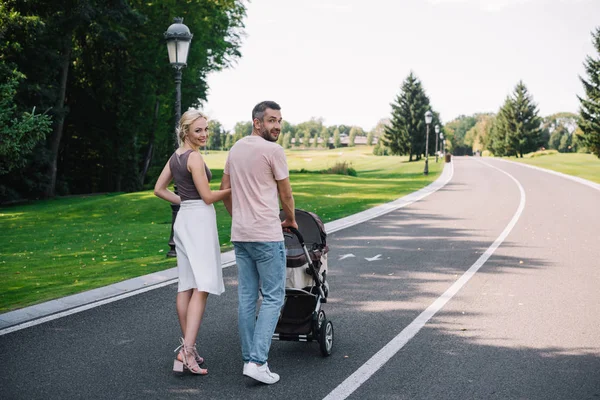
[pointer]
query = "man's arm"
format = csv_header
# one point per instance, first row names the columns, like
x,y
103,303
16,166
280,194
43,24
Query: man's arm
x,y
226,184
287,203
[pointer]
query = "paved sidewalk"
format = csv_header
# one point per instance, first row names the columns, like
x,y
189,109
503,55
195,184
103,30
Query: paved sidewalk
x,y
43,312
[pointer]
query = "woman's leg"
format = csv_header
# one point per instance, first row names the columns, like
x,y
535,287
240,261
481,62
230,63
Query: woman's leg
x,y
183,299
195,312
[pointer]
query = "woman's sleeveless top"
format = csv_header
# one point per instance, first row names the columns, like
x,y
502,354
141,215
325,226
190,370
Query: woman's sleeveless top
x,y
183,178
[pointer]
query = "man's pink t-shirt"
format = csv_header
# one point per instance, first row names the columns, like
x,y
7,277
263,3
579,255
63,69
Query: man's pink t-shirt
x,y
254,165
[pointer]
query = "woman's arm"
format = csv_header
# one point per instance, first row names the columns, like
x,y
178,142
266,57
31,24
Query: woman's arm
x,y
196,167
160,189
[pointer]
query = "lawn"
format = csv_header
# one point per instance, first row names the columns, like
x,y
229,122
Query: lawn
x,y
586,166
67,245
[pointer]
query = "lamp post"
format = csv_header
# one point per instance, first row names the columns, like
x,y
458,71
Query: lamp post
x,y
178,39
428,118
437,131
443,145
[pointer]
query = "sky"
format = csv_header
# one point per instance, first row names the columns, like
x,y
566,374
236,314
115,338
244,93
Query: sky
x,y
345,60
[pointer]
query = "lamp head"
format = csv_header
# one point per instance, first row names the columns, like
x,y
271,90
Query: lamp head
x,y
178,39
428,117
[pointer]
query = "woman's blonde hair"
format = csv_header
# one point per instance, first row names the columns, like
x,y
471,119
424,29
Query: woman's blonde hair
x,y
187,119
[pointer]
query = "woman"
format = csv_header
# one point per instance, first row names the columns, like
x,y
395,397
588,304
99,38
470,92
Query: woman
x,y
195,233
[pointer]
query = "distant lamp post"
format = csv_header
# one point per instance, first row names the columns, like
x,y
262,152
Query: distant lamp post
x,y
428,119
437,132
178,39
443,144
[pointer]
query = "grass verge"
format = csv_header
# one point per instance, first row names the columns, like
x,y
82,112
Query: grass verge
x,y
64,246
586,166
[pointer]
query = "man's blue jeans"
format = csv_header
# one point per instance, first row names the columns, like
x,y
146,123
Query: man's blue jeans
x,y
259,263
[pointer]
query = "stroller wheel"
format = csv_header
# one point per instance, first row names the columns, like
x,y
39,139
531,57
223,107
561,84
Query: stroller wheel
x,y
326,337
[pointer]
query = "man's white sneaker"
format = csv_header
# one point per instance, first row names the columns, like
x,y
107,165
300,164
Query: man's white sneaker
x,y
245,368
261,373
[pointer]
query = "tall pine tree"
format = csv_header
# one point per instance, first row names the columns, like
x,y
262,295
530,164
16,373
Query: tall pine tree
x,y
406,133
517,128
526,134
590,105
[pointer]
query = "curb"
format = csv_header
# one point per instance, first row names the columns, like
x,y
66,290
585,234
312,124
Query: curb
x,y
37,314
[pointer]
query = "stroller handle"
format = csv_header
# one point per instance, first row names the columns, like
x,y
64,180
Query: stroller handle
x,y
297,233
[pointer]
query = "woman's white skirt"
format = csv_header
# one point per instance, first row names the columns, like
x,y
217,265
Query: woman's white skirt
x,y
197,245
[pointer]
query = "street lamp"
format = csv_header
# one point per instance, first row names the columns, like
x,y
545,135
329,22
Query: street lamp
x,y
437,131
178,39
443,144
428,118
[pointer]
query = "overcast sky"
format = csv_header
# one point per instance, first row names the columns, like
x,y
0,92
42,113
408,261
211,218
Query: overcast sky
x,y
344,60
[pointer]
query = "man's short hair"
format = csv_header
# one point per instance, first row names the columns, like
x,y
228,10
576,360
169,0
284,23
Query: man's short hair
x,y
258,112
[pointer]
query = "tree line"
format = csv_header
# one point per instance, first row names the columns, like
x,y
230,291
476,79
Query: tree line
x,y
87,92
516,129
308,134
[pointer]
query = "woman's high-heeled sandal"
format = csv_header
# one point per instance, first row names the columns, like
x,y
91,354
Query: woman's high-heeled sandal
x,y
189,362
197,356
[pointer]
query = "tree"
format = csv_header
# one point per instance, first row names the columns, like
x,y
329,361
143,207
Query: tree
x,y
337,140
407,132
590,104
216,133
499,132
19,133
100,68
306,139
352,136
325,136
477,136
517,128
555,126
287,140
525,135
455,133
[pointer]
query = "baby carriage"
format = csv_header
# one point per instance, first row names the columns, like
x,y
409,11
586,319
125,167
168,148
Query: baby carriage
x,y
302,319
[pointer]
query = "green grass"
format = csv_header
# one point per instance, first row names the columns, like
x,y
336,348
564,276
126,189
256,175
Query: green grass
x,y
586,166
64,246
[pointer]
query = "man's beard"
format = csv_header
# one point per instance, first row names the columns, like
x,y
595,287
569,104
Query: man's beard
x,y
268,136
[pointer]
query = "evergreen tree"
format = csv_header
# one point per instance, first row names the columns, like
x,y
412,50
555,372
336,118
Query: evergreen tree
x,y
352,136
325,135
306,139
525,135
499,130
590,105
337,140
517,127
406,134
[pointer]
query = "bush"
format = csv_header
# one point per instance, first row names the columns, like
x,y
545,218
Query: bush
x,y
540,153
341,168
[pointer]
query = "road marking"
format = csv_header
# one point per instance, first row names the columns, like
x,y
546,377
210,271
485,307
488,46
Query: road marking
x,y
333,226
346,256
83,307
354,381
377,257
577,179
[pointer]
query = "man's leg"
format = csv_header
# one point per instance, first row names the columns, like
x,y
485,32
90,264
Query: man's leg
x,y
270,262
247,297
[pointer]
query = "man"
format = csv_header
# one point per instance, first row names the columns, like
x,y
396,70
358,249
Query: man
x,y
256,171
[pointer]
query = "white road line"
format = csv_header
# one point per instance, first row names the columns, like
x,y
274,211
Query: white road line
x,y
83,307
331,227
577,179
354,381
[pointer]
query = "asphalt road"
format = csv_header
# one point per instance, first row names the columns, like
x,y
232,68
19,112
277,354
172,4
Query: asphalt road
x,y
526,325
